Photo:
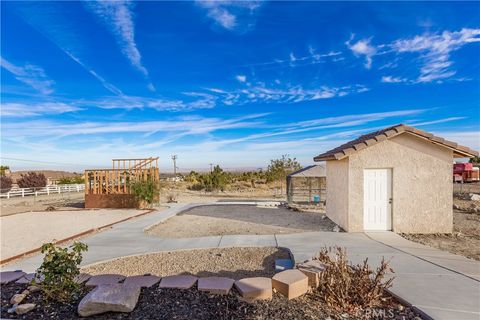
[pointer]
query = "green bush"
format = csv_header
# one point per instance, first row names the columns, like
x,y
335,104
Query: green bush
x,y
71,180
145,190
278,169
60,267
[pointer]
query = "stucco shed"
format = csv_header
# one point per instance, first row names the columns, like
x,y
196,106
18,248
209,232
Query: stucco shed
x,y
398,178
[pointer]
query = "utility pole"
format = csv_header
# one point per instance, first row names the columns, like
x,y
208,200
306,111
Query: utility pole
x,y
174,158
211,167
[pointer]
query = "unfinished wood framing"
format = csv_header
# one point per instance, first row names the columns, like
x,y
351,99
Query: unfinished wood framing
x,y
118,179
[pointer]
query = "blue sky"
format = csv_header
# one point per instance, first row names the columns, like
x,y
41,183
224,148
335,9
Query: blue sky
x,y
232,83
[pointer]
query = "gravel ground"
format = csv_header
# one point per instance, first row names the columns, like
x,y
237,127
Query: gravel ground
x,y
236,263
155,303
239,219
26,231
61,201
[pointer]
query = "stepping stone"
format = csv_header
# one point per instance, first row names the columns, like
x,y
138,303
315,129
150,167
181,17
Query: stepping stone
x,y
258,288
290,283
109,298
178,282
215,285
283,264
312,269
142,281
10,276
82,277
27,279
104,279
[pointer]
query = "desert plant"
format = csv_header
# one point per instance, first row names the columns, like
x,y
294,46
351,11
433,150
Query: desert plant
x,y
5,183
145,190
32,180
59,268
349,288
278,169
71,180
4,169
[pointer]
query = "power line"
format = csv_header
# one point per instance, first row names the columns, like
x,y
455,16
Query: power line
x,y
47,162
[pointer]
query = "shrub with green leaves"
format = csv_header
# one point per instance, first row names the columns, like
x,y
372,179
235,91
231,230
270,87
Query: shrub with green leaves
x,y
145,190
71,180
59,268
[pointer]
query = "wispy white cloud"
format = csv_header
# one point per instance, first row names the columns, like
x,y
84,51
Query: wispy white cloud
x,y
231,15
11,109
30,74
288,94
426,123
293,60
435,51
362,47
118,16
241,78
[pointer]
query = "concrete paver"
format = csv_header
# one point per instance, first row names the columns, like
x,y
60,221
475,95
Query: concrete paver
x,y
290,283
178,282
144,281
216,285
104,279
257,288
442,285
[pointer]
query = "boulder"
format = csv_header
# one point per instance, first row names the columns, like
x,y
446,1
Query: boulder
x,y
109,298
17,298
24,308
474,196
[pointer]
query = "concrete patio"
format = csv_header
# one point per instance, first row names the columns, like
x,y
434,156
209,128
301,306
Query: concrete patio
x,y
439,284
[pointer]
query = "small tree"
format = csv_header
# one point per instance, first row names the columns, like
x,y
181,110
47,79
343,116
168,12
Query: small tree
x,y
59,268
145,190
5,183
4,169
280,168
32,180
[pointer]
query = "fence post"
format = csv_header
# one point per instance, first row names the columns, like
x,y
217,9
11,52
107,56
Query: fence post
x,y
48,190
23,193
8,195
58,189
78,188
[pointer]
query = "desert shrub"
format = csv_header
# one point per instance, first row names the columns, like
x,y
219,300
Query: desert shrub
x,y
5,183
196,187
212,181
4,169
71,180
60,267
32,180
145,190
349,288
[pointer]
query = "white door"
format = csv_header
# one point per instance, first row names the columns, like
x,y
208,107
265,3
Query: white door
x,y
377,199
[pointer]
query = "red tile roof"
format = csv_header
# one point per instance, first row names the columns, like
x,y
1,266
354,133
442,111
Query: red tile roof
x,y
370,139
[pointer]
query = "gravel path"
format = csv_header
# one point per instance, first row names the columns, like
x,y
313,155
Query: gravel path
x,y
236,263
27,231
239,219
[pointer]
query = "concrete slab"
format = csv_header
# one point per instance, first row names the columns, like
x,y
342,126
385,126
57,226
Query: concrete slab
x,y
178,282
248,241
290,283
258,288
144,281
216,285
104,279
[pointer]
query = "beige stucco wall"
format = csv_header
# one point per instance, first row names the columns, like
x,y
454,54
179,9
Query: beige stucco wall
x,y
421,184
337,192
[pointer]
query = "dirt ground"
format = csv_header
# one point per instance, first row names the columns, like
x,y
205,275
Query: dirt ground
x,y
235,263
465,239
61,201
239,219
27,231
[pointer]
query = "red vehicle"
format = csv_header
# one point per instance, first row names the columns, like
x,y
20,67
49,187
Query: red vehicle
x,y
465,172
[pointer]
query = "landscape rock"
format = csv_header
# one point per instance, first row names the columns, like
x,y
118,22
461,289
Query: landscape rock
x,y
109,298
28,278
145,281
336,229
178,282
24,308
10,276
82,278
33,288
291,283
312,269
474,196
215,285
257,288
104,279
17,298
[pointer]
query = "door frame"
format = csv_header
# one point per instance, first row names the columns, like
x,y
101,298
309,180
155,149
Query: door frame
x,y
389,222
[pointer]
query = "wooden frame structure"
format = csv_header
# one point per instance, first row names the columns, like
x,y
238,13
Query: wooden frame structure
x,y
112,187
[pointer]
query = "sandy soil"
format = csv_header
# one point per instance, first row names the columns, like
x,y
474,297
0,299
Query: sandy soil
x,y
465,240
62,201
236,263
239,219
26,231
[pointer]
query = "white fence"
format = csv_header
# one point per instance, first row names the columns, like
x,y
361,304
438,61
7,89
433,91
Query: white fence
x,y
23,192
